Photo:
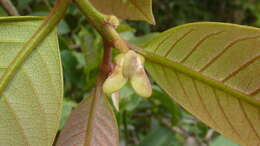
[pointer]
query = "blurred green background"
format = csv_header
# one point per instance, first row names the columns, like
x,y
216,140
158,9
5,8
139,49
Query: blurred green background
x,y
157,121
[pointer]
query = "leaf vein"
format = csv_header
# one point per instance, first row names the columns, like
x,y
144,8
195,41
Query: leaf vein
x,y
199,43
177,41
254,92
3,67
249,122
39,102
106,135
140,9
26,139
105,120
224,114
72,136
19,24
184,91
203,104
240,68
162,42
229,45
165,62
11,42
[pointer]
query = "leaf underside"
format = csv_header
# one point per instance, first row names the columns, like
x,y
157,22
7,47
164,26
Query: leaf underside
x,y
31,103
213,71
127,9
92,123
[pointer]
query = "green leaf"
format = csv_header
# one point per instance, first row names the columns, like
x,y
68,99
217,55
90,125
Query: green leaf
x,y
213,71
166,101
129,100
30,105
127,9
23,4
91,123
222,141
160,136
72,75
63,28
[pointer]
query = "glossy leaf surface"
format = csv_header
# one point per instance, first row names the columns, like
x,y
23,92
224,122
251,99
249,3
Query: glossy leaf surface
x,y
127,9
30,105
92,123
213,71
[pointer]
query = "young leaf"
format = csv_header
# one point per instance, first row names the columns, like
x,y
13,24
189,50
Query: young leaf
x,y
30,105
92,123
213,71
127,9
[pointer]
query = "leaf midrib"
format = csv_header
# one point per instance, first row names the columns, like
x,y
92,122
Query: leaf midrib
x,y
152,57
22,55
92,109
147,17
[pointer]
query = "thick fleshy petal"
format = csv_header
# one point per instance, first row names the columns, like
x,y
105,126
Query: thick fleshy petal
x,y
141,84
132,64
115,81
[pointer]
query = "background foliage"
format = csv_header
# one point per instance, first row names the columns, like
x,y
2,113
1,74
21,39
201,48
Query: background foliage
x,y
153,122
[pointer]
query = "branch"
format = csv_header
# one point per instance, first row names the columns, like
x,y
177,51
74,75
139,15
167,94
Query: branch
x,y
106,65
98,20
9,7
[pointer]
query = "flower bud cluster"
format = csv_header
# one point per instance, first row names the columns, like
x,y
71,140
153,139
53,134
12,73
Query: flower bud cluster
x,y
129,67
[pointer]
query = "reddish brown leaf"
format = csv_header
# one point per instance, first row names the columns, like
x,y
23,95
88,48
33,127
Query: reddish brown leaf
x,y
92,123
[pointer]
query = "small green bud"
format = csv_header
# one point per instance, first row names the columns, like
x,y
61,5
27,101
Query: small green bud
x,y
115,81
112,20
141,84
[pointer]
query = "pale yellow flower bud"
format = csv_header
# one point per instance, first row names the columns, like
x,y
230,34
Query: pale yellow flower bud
x,y
132,68
141,84
133,62
115,81
119,59
141,58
